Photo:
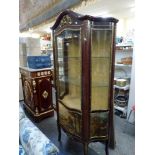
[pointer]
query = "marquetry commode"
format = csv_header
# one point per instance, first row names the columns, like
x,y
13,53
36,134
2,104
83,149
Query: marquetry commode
x,y
37,90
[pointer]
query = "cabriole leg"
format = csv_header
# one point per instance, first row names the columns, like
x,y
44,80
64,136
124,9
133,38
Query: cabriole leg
x,y
106,147
85,147
59,133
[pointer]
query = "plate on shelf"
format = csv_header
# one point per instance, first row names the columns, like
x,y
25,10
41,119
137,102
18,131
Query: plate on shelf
x,y
120,73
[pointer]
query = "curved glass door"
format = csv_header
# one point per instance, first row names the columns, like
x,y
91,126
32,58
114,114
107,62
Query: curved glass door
x,y
101,48
68,68
101,45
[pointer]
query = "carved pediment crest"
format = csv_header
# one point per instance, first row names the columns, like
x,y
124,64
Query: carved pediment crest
x,y
65,20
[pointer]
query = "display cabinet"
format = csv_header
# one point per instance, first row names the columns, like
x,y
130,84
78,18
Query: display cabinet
x,y
84,65
37,90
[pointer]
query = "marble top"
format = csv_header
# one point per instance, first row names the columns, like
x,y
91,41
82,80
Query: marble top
x,y
34,70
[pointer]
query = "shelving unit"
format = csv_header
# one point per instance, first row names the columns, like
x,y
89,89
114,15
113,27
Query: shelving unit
x,y
125,50
46,45
122,71
122,88
122,109
122,65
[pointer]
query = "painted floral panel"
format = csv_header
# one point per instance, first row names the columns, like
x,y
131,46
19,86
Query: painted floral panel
x,y
99,124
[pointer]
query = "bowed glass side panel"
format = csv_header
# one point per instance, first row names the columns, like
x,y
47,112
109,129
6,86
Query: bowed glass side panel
x,y
68,73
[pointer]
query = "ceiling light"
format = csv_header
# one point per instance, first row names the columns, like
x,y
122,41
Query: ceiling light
x,y
30,29
27,34
24,35
47,30
132,9
35,35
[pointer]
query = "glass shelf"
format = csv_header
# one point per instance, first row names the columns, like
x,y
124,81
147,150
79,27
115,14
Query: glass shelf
x,y
69,100
99,84
77,81
123,109
68,58
127,87
100,57
124,50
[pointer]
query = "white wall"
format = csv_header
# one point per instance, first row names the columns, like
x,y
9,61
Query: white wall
x,y
120,28
32,46
27,47
131,101
20,89
125,26
22,54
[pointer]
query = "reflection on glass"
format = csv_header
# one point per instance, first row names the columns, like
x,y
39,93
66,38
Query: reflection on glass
x,y
101,42
69,68
100,71
100,67
99,99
